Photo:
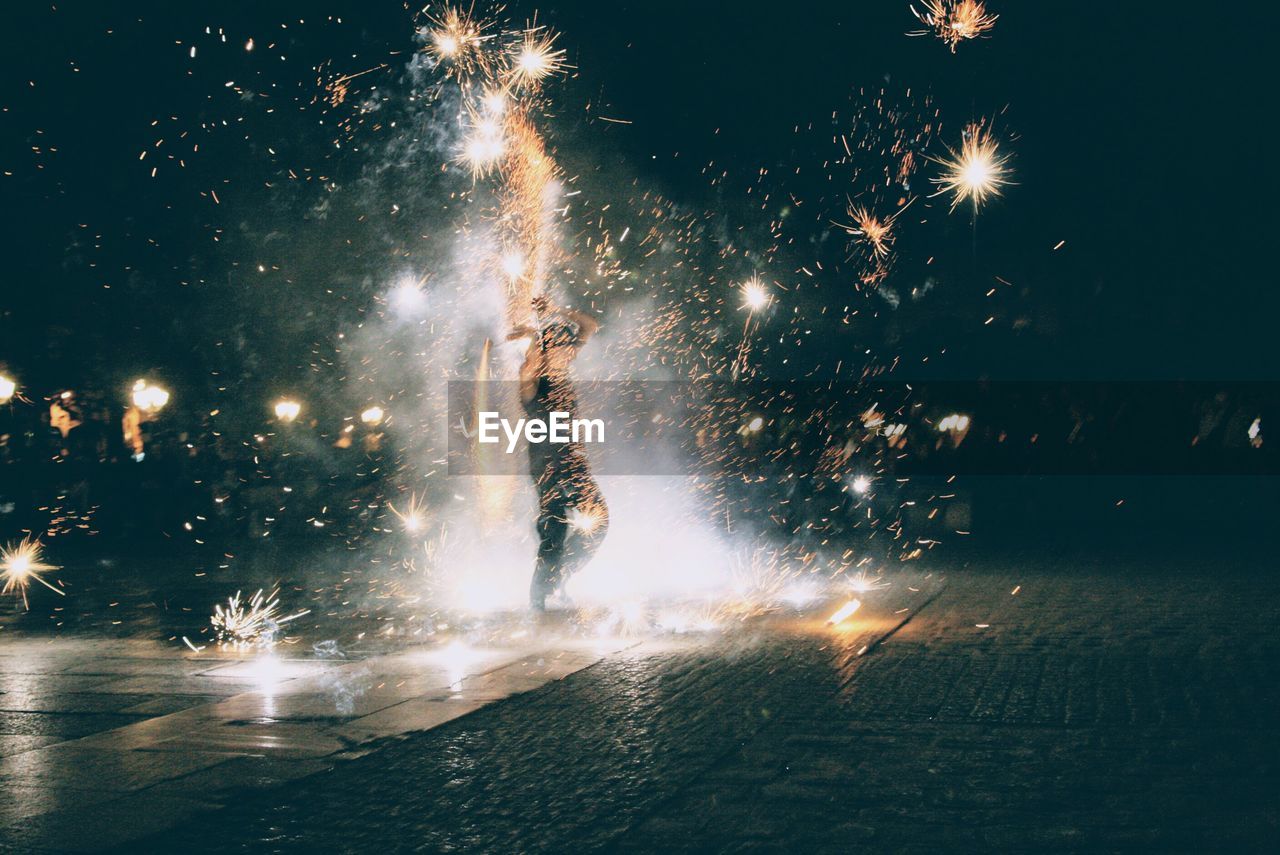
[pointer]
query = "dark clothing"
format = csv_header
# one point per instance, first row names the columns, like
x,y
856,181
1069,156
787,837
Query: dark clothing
x,y
572,515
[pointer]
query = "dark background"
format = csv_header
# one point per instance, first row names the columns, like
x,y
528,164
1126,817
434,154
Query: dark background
x,y
1138,133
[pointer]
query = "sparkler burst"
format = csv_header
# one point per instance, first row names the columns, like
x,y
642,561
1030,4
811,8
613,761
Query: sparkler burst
x,y
22,564
535,57
413,517
755,296
455,40
877,233
954,21
242,625
975,173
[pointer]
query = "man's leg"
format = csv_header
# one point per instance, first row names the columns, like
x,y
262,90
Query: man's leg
x,y
553,528
582,543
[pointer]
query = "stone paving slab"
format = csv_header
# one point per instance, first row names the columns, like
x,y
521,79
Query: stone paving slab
x,y
75,768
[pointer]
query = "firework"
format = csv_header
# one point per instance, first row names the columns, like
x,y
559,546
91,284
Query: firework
x,y
21,565
413,517
954,21
455,40
585,520
977,172
755,296
287,410
877,233
534,58
845,612
256,623
148,397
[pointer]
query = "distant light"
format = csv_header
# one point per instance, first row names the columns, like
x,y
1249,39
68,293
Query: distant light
x,y
7,389
955,423
287,409
149,398
372,416
756,424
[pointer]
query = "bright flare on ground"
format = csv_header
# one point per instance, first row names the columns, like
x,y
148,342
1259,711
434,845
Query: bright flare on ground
x,y
7,389
21,565
372,416
255,623
844,612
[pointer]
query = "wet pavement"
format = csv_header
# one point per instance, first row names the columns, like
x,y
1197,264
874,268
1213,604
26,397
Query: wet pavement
x,y
1060,705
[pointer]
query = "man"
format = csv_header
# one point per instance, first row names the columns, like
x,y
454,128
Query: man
x,y
572,516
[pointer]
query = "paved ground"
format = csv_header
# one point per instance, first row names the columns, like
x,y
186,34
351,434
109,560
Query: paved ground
x,y
1123,707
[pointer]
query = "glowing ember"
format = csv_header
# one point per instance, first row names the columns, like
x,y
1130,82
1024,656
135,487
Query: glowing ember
x,y
844,612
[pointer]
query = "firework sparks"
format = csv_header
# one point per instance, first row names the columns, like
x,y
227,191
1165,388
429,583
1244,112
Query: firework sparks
x,y
954,21
413,517
585,520
755,296
876,233
455,40
534,58
21,565
256,623
975,173
484,146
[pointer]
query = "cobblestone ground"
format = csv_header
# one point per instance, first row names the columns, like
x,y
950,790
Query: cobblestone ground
x,y
1117,709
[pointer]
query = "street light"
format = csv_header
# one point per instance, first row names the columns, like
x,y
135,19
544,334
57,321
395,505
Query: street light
x,y
149,398
287,409
372,416
7,389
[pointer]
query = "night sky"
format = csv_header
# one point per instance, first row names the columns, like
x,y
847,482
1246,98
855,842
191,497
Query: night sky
x,y
1137,135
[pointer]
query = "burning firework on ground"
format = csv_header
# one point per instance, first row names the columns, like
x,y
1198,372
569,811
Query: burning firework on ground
x,y
257,623
22,564
954,21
